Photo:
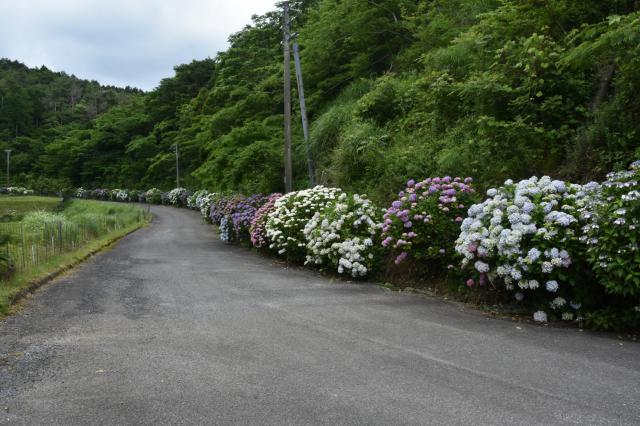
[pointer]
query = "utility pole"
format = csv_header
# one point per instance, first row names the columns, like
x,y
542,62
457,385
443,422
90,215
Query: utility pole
x,y
177,167
303,114
288,172
8,151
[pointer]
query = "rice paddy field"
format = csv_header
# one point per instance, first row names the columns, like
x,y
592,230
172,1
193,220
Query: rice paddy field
x,y
40,235
13,207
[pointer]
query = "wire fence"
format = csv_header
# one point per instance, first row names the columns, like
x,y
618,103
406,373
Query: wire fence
x,y
28,247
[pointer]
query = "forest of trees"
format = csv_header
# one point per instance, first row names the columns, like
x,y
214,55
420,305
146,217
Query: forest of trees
x,y
396,89
38,107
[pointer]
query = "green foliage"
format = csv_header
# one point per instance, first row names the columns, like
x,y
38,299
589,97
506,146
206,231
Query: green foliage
x,y
614,318
37,221
498,98
326,129
164,101
37,106
244,159
359,155
153,196
613,235
389,99
396,89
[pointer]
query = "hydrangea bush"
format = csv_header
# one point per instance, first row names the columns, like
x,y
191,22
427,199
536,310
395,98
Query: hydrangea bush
x,y
154,196
193,200
218,208
242,212
233,215
286,223
257,230
425,219
525,238
612,232
121,195
204,204
178,197
16,190
82,193
134,196
165,198
113,195
100,194
343,234
142,197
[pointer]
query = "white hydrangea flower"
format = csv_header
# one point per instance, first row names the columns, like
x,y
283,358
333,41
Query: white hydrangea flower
x,y
481,267
558,302
540,316
567,316
533,254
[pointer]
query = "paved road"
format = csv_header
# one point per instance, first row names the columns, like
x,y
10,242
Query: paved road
x,y
173,327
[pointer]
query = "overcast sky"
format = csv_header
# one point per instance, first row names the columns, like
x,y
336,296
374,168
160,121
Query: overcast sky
x,y
120,42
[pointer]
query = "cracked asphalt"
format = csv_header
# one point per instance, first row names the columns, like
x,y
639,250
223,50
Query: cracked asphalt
x,y
171,326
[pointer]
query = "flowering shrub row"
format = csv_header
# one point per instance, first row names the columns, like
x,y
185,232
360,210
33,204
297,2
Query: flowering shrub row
x,y
176,197
564,250
15,190
320,226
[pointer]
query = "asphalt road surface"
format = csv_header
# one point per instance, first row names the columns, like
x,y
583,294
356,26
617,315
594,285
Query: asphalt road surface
x,y
171,326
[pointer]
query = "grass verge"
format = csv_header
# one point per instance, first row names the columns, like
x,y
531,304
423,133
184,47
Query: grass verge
x,y
23,283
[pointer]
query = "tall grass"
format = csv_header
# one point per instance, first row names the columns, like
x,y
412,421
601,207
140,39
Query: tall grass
x,y
41,235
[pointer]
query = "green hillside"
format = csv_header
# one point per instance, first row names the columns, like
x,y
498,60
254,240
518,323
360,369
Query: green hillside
x,y
396,89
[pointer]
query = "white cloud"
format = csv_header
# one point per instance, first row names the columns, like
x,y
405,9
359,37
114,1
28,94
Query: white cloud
x,y
120,42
